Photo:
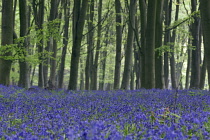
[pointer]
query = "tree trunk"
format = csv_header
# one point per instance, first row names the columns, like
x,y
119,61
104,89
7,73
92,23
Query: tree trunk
x,y
172,57
205,19
39,20
195,70
118,20
143,17
94,78
167,9
6,39
103,60
79,14
66,6
188,66
82,84
129,47
90,42
150,45
159,81
203,74
24,67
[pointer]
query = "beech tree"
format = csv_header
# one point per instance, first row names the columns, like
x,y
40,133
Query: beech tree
x,y
6,41
150,45
79,14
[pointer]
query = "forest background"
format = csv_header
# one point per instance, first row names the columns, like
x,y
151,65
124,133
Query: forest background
x,y
105,45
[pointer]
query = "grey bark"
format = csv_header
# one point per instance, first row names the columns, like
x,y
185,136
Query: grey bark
x,y
79,14
205,19
150,45
6,39
159,80
118,20
90,42
129,47
94,77
66,6
38,11
172,57
195,31
24,67
143,17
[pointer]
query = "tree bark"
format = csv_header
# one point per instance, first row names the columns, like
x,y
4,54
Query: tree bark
x,y
167,9
205,19
195,31
79,14
38,11
143,17
129,47
159,81
150,45
203,74
118,20
90,42
66,6
6,39
172,57
103,60
24,67
94,78
188,66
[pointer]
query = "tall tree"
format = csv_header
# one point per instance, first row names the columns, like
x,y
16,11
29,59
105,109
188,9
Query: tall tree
x,y
118,20
167,10
94,77
195,31
129,46
79,14
6,39
38,11
66,7
172,53
90,46
150,45
24,67
205,19
159,81
54,15
143,17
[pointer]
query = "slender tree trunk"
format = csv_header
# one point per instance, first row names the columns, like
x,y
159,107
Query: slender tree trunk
x,y
118,44
143,17
203,74
66,6
150,45
205,19
38,11
132,79
188,66
137,54
6,39
167,9
79,14
129,47
82,84
103,61
172,57
159,81
94,80
90,42
195,70
24,67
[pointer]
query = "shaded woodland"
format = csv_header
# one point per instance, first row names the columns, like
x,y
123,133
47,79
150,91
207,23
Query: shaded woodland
x,y
105,45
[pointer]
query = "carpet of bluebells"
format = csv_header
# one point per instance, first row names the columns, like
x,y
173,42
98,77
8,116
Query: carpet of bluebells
x,y
104,115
